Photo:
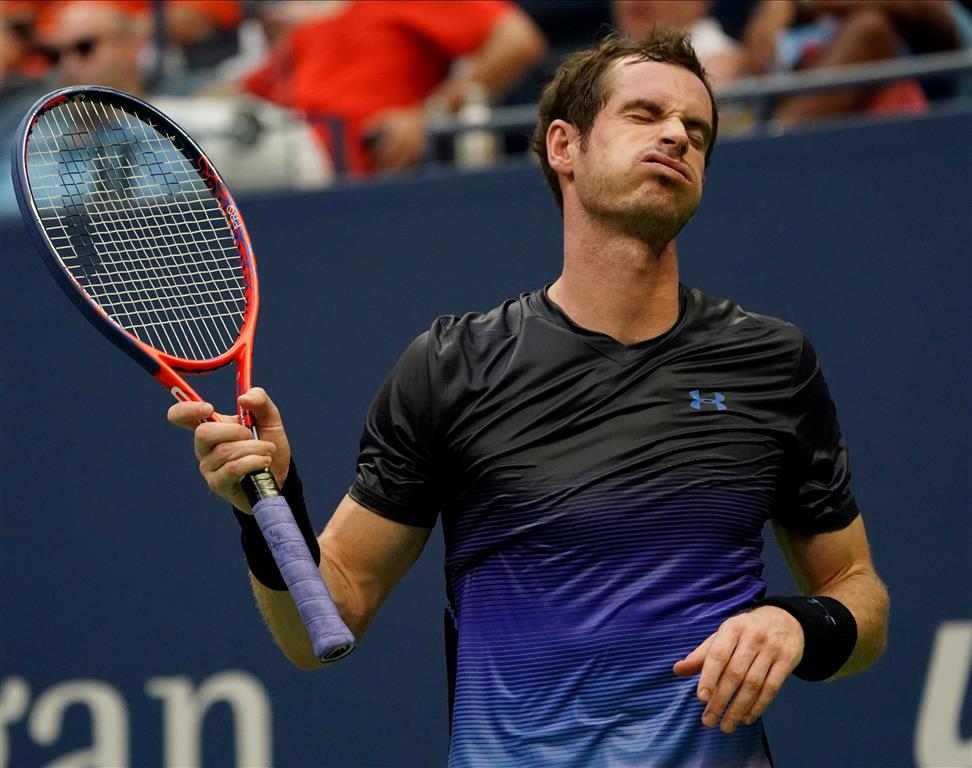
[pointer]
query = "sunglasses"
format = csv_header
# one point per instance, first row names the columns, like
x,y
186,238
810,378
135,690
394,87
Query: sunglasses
x,y
80,48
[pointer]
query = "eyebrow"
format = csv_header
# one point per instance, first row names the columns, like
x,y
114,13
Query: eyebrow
x,y
654,108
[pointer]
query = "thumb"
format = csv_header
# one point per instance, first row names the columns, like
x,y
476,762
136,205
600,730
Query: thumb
x,y
692,664
270,427
261,407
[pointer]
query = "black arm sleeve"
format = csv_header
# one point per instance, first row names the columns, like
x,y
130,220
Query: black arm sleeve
x,y
817,497
396,470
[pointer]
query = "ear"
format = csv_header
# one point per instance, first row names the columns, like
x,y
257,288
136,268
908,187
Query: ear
x,y
561,138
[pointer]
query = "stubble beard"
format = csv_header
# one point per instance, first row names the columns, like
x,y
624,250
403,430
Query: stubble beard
x,y
652,216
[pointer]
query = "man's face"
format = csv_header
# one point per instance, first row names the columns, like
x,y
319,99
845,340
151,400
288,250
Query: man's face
x,y
643,162
94,45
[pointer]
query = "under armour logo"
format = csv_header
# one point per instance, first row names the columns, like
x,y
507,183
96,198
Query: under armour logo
x,y
715,403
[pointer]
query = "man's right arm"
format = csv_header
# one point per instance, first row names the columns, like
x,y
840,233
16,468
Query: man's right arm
x,y
363,555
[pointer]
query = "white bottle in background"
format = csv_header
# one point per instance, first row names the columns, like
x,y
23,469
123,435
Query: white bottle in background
x,y
475,147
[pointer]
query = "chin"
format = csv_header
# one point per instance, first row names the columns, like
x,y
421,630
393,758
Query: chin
x,y
663,207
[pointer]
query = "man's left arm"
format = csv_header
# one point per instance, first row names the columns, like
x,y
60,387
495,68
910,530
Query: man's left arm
x,y
838,565
743,665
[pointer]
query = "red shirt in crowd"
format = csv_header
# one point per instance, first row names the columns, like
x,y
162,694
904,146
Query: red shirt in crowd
x,y
370,57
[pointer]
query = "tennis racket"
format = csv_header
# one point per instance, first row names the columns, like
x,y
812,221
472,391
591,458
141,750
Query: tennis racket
x,y
140,231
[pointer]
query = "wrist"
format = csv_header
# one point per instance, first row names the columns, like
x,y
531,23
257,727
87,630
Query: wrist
x,y
829,633
259,558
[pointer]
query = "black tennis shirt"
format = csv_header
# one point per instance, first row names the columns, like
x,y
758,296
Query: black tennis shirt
x,y
602,507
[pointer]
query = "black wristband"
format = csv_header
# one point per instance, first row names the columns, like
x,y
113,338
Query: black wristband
x,y
829,633
258,555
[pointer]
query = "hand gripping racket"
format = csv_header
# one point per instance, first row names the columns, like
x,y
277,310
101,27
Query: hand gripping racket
x,y
139,230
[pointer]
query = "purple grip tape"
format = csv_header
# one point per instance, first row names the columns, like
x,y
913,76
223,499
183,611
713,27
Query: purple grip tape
x,y
330,637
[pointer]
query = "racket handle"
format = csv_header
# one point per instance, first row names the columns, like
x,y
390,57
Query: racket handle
x,y
330,637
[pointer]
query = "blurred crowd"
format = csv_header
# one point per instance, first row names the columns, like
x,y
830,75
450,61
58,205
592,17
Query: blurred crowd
x,y
286,93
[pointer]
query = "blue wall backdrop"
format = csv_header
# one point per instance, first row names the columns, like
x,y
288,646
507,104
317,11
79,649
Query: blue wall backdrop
x,y
128,634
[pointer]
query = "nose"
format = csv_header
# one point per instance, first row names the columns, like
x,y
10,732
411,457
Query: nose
x,y
674,137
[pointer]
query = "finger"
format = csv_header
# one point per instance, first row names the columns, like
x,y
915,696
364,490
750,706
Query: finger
x,y
270,427
410,151
733,674
771,687
396,161
405,155
229,452
209,434
692,664
227,477
385,141
747,692
716,659
188,415
225,482
399,148
389,153
381,143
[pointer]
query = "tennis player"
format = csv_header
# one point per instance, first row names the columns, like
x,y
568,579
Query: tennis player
x,y
603,453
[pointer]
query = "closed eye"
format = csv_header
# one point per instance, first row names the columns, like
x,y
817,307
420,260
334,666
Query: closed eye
x,y
698,132
644,116
697,137
648,112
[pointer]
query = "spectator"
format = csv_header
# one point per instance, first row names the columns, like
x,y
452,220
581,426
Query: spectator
x,y
720,55
812,34
377,66
203,31
117,43
254,145
99,43
23,69
20,59
278,17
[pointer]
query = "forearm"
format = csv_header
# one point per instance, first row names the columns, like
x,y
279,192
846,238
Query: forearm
x,y
761,34
514,45
838,565
284,622
865,596
363,557
926,25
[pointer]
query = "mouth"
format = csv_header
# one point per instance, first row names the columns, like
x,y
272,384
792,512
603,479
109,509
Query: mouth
x,y
669,166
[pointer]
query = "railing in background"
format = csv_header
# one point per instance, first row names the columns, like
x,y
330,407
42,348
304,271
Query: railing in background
x,y
758,91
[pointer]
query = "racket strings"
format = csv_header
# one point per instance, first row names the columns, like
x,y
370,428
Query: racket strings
x,y
161,225
138,228
98,162
143,287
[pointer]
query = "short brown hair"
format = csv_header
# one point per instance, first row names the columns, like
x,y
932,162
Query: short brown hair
x,y
577,92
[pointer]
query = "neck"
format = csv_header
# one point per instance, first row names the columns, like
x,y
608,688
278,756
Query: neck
x,y
617,284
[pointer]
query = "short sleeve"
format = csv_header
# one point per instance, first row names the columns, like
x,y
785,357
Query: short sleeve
x,y
395,474
457,28
817,496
